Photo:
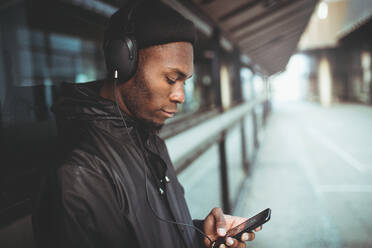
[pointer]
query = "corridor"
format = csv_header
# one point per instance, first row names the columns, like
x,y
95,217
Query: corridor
x,y
314,170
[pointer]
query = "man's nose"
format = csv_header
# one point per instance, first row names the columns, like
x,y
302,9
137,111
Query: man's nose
x,y
177,95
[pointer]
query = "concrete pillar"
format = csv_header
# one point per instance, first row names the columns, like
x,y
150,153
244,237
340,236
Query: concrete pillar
x,y
238,95
226,93
325,82
366,77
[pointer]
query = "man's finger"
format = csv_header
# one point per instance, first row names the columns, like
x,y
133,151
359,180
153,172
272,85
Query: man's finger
x,y
258,229
242,245
220,221
231,242
251,236
245,237
234,243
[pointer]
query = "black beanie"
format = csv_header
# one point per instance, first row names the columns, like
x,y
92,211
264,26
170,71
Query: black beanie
x,y
154,23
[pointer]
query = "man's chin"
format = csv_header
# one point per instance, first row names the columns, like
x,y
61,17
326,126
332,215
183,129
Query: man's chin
x,y
156,127
151,126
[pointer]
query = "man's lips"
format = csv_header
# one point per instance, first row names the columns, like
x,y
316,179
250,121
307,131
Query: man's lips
x,y
168,113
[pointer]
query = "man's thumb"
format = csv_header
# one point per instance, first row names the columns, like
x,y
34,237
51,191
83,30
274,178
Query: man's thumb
x,y
220,221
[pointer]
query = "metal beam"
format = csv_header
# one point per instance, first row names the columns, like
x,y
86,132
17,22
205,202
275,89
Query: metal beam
x,y
240,9
271,57
199,23
276,25
275,51
278,61
272,42
262,39
261,16
272,48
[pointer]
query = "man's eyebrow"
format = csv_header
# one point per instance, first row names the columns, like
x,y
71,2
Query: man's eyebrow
x,y
180,73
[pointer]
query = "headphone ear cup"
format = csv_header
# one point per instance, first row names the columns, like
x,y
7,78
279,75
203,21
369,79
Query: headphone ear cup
x,y
121,55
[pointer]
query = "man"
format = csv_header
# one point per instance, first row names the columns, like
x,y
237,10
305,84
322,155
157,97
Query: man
x,y
116,186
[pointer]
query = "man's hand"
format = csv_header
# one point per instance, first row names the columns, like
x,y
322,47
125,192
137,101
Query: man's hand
x,y
216,224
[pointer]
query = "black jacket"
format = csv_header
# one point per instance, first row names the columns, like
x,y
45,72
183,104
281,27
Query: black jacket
x,y
96,197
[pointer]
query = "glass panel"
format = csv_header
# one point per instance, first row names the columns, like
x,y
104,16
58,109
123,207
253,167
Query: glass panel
x,y
33,62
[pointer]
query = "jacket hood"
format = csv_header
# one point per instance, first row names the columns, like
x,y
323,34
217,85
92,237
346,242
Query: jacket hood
x,y
80,106
82,102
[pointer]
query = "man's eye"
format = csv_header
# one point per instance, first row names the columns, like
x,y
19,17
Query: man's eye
x,y
170,81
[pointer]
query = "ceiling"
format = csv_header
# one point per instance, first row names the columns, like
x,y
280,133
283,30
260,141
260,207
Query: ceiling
x,y
267,31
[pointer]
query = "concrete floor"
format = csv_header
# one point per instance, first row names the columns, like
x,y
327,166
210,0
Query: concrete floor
x,y
314,170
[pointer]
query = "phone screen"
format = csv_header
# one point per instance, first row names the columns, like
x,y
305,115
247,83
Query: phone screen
x,y
251,223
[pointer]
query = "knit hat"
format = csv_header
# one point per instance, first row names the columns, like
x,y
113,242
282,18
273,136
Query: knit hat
x,y
152,23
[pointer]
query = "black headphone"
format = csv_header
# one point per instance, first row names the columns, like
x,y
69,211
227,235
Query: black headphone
x,y
120,46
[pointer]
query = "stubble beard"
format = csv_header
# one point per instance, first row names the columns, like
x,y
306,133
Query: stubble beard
x,y
136,96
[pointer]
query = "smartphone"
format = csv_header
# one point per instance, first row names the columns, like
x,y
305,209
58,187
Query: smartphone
x,y
247,226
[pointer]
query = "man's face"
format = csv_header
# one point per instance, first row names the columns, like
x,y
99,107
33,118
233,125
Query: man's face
x,y
157,87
